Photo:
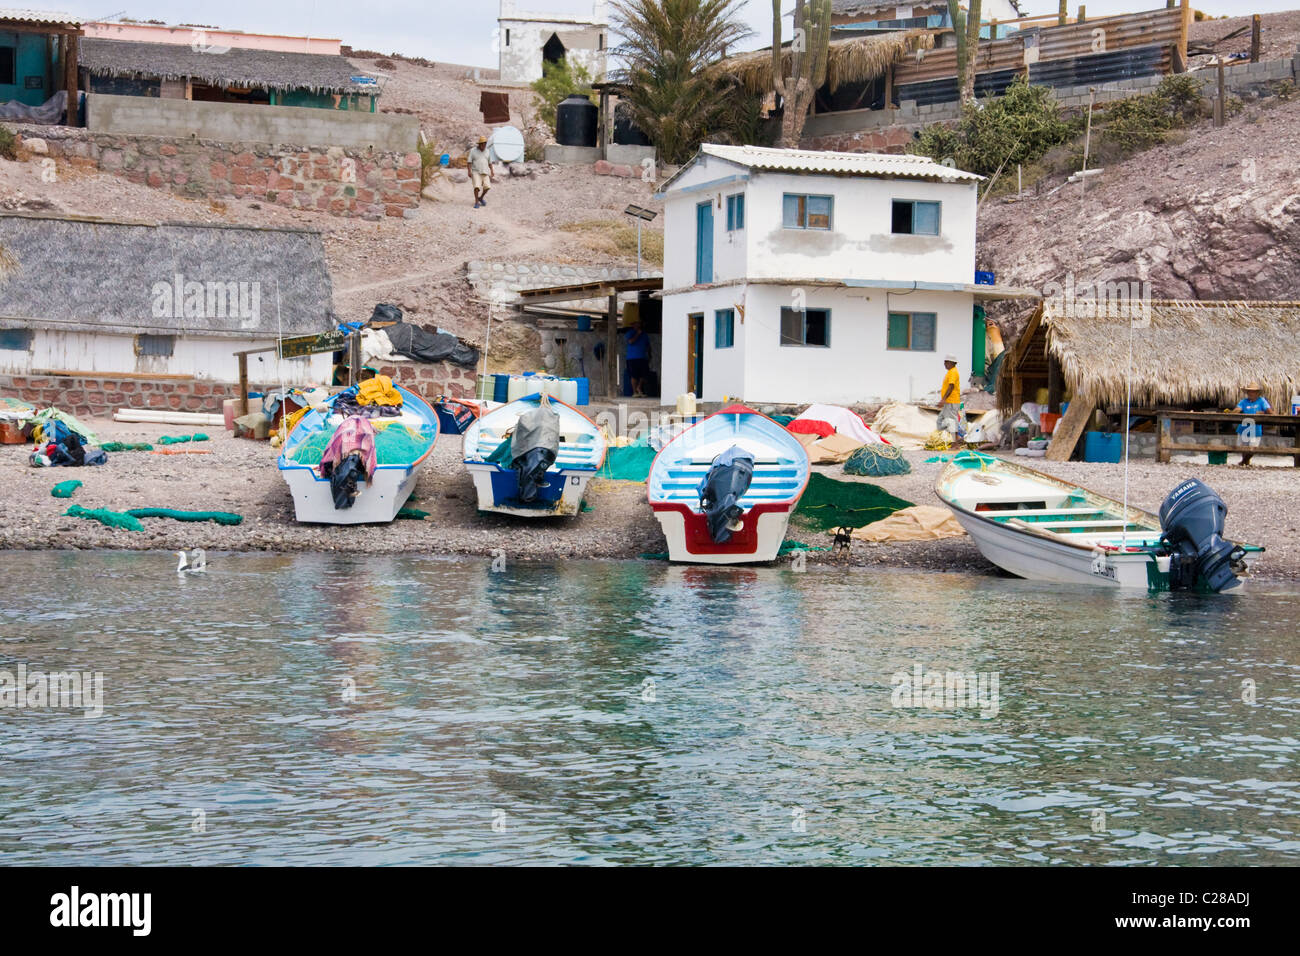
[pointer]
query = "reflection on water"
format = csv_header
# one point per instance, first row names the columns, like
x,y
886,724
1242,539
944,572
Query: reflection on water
x,y
348,709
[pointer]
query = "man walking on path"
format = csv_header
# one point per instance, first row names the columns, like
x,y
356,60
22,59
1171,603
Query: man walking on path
x,y
950,399
480,172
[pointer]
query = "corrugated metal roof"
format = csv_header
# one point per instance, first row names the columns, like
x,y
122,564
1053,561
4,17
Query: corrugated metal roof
x,y
888,165
40,16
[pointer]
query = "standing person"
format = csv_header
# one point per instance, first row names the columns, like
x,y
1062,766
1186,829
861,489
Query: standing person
x,y
638,359
480,172
1253,404
950,398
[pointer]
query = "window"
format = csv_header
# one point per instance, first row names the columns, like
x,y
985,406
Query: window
x,y
806,327
735,212
507,36
15,340
8,59
806,212
911,331
724,328
600,44
916,218
155,344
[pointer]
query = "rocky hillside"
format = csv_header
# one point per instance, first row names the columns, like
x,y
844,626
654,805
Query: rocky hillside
x,y
1214,216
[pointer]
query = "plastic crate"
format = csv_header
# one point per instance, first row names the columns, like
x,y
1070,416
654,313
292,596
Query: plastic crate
x,y
1105,447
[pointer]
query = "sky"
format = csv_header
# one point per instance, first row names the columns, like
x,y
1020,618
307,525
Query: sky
x,y
461,31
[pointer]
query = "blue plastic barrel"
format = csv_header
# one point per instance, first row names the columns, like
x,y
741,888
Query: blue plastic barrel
x,y
501,388
584,391
1103,447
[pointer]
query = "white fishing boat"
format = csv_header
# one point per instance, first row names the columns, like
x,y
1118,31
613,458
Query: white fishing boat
x,y
553,481
400,458
724,489
1042,528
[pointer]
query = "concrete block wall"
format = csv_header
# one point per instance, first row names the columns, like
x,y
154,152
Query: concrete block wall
x,y
250,123
351,183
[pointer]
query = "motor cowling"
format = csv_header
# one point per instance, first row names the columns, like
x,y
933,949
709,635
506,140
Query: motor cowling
x,y
728,478
1191,523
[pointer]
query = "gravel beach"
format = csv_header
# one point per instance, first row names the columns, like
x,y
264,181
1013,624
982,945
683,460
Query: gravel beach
x,y
240,476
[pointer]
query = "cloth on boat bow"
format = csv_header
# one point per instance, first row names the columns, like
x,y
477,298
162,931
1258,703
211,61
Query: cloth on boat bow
x,y
355,434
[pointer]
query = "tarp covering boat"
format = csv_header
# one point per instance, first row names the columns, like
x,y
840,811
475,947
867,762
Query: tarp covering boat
x,y
534,447
728,478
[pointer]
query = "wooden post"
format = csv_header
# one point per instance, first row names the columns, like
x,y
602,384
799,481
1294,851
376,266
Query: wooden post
x,y
354,358
1180,48
889,87
70,73
1064,15
243,383
1255,39
1083,14
611,347
1221,104
1164,441
1055,384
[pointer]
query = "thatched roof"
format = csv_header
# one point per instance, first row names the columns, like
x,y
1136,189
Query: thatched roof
x,y
857,60
883,9
93,275
251,69
1190,353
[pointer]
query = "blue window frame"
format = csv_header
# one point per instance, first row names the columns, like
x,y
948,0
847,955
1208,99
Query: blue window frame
x,y
911,331
735,212
806,327
15,340
724,328
913,218
704,243
806,212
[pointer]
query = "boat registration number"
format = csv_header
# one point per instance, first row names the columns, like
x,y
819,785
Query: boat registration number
x,y
1101,567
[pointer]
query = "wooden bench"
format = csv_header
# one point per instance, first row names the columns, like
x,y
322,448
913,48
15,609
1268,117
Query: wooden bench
x,y
1165,445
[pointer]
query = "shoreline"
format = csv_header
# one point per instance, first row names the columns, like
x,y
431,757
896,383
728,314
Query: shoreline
x,y
240,476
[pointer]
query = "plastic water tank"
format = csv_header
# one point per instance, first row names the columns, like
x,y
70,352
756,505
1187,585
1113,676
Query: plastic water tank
x,y
507,145
519,387
575,121
568,391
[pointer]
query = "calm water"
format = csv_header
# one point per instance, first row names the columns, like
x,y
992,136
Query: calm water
x,y
637,713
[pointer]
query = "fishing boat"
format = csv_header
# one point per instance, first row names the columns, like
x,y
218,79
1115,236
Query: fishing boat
x,y
403,446
549,477
723,490
1042,528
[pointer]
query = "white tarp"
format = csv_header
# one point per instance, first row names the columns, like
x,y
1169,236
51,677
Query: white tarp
x,y
844,421
904,426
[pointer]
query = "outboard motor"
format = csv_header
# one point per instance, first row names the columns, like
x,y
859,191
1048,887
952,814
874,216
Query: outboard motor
x,y
728,479
1191,522
534,447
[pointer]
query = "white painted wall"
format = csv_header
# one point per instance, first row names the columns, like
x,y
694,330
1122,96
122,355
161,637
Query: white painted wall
x,y
521,37
856,368
209,359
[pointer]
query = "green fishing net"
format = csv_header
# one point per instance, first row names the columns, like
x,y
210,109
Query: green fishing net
x,y
126,446
220,517
629,463
106,517
828,504
394,445
415,514
64,489
876,461
181,439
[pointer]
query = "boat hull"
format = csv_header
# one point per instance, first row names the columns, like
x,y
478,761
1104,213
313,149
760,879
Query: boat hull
x,y
376,503
759,538
497,489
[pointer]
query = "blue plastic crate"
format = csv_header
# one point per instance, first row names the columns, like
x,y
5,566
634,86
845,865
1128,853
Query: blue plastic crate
x,y
985,278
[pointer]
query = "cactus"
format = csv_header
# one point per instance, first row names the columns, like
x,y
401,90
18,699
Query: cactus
x,y
966,31
808,63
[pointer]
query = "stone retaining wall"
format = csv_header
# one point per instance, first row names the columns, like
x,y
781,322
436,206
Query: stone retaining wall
x,y
353,183
99,396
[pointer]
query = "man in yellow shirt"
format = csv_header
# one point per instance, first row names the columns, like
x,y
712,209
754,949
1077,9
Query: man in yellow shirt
x,y
950,417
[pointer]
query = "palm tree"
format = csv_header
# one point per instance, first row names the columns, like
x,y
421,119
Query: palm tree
x,y
666,50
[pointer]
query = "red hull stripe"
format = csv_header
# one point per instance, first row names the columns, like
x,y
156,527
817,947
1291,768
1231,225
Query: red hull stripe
x,y
744,541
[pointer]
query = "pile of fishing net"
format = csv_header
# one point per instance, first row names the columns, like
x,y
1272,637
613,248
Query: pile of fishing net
x,y
631,462
876,461
828,504
220,517
395,444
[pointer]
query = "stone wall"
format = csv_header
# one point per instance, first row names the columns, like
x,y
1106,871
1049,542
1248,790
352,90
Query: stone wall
x,y
431,379
99,396
352,183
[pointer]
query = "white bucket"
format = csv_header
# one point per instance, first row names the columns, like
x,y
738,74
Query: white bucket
x,y
686,404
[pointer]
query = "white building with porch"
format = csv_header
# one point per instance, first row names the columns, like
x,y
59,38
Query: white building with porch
x,y
794,276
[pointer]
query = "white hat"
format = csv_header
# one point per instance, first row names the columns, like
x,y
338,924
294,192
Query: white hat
x,y
950,358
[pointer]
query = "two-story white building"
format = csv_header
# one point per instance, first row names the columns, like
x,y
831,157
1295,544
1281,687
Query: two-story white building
x,y
794,276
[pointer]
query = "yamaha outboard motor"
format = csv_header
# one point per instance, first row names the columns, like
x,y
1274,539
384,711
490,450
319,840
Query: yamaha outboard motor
x,y
534,447
1191,521
728,479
